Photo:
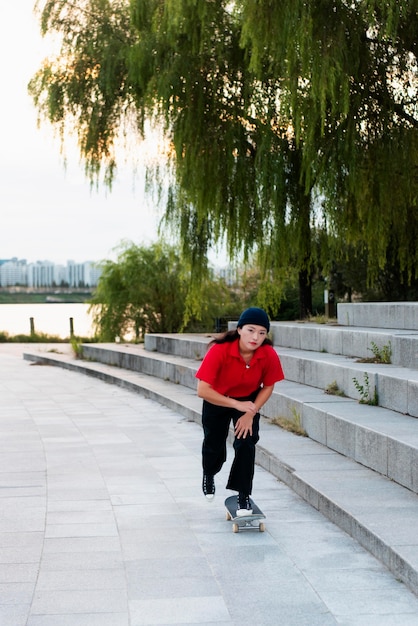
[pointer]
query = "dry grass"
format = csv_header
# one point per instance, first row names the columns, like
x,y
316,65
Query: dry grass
x,y
292,425
334,390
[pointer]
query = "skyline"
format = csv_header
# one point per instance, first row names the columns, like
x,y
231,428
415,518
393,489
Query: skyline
x,y
40,261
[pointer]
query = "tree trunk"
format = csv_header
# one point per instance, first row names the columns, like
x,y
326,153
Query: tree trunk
x,y
305,295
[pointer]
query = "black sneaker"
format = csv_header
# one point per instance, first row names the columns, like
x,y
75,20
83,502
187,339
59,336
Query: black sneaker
x,y
208,486
244,505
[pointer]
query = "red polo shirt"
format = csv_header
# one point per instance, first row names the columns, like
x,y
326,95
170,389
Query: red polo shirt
x,y
225,370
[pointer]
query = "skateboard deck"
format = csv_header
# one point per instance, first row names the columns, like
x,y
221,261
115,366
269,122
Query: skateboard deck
x,y
244,522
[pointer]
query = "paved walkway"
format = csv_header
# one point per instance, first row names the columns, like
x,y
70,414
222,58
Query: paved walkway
x,y
102,523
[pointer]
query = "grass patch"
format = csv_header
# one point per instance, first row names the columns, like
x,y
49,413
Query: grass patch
x,y
292,425
42,338
334,390
77,347
322,319
45,295
380,355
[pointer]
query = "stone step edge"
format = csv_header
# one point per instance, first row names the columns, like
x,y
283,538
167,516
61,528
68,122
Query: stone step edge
x,y
395,390
348,341
179,399
396,387
365,434
339,340
403,315
327,419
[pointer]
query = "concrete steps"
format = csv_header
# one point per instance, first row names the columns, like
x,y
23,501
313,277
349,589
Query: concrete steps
x,y
380,514
348,341
382,439
399,315
396,387
359,463
318,355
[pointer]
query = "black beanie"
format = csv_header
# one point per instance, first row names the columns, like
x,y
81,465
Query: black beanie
x,y
253,315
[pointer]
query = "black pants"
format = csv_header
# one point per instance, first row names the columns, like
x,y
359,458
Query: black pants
x,y
216,421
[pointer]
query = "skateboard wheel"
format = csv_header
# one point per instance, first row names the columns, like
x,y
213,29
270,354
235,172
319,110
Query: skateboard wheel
x,y
262,527
235,528
228,516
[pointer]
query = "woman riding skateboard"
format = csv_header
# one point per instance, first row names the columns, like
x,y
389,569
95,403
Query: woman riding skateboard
x,y
236,378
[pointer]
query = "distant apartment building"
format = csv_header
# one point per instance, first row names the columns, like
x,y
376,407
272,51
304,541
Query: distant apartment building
x,y
13,272
47,274
82,274
93,273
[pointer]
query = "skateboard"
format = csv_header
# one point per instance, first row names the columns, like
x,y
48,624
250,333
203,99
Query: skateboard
x,y
244,522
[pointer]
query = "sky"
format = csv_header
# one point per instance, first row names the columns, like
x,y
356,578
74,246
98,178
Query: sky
x,y
49,212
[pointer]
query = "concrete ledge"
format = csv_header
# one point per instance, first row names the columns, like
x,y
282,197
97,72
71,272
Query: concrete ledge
x,y
311,369
176,397
340,423
350,342
403,315
307,336
191,346
377,438
397,388
136,359
367,434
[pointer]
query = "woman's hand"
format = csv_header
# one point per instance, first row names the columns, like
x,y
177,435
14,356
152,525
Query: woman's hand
x,y
246,407
208,393
244,425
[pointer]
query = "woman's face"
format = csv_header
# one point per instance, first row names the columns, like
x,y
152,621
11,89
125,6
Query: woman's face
x,y
251,336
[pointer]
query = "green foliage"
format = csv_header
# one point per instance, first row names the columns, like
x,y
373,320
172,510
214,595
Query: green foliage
x,y
86,87
348,78
77,347
143,291
147,290
40,338
29,296
288,123
349,275
366,395
383,354
380,355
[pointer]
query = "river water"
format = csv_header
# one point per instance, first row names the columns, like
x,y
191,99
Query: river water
x,y
52,319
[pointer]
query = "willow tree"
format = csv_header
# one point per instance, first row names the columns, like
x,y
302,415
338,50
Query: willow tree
x,y
181,63
349,79
143,291
267,105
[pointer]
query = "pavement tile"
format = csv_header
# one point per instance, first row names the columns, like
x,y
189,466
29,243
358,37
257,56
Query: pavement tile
x,y
102,523
18,573
89,619
81,544
183,610
13,615
16,593
51,602
81,530
81,579
63,561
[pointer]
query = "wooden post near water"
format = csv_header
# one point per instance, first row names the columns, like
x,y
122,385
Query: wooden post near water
x,y
32,326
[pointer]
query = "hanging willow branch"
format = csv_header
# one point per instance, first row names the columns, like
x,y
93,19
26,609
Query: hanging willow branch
x,y
268,106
